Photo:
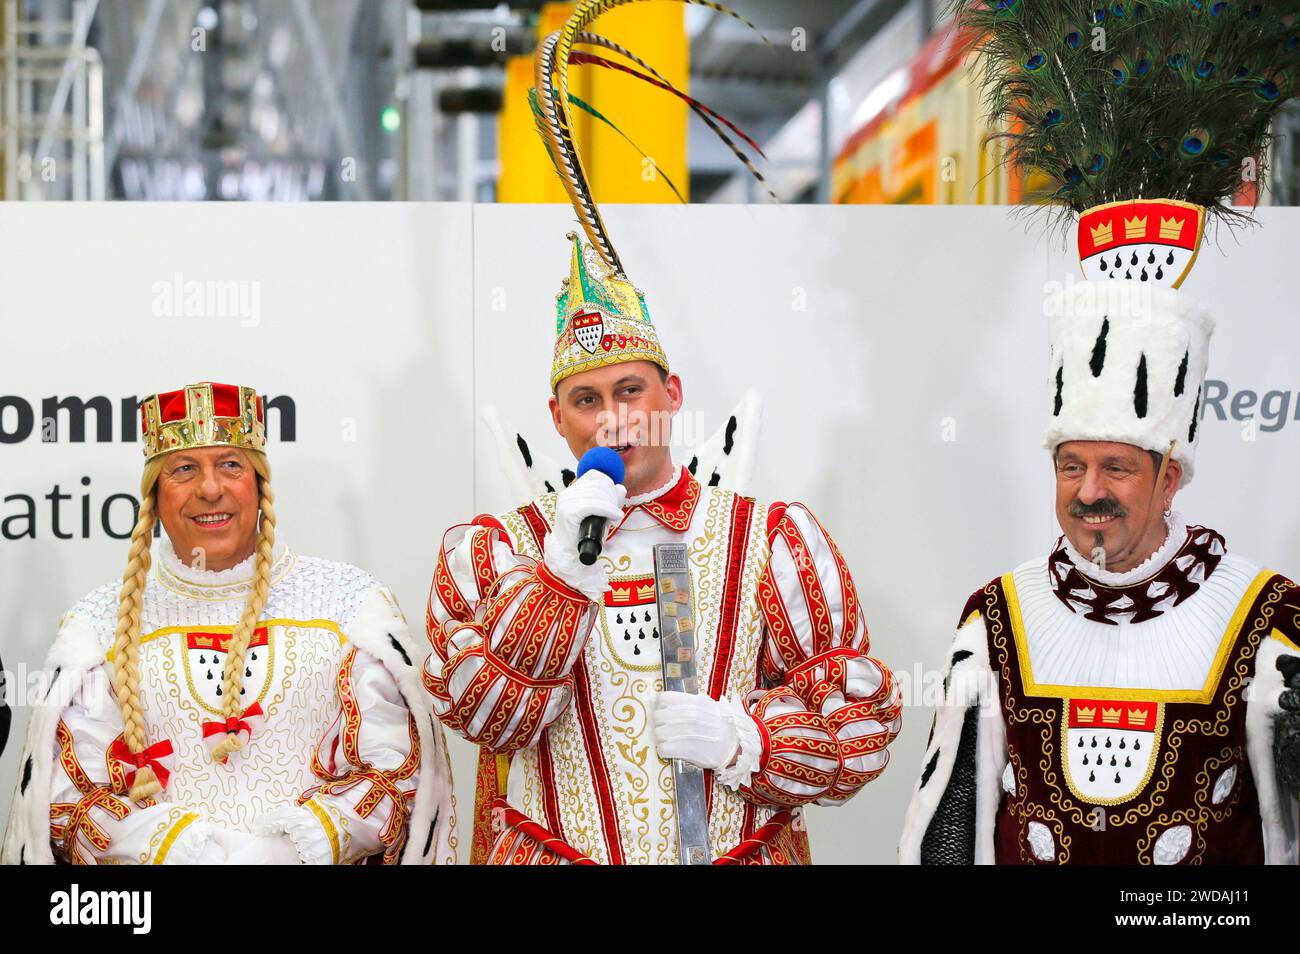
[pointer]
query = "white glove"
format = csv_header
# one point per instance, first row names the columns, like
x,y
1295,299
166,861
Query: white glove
x,y
718,735
591,495
245,849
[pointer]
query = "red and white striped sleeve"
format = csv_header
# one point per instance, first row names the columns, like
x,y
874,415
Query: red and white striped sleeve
x,y
832,710
506,633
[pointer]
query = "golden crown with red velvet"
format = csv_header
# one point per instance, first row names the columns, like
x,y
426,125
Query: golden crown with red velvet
x,y
206,414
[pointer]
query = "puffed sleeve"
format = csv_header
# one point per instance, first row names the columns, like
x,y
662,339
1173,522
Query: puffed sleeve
x,y
505,634
91,819
832,709
368,763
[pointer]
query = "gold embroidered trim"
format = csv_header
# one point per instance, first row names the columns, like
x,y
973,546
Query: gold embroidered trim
x,y
327,823
184,822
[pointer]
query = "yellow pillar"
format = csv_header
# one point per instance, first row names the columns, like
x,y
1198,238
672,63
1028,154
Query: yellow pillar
x,y
652,118
4,38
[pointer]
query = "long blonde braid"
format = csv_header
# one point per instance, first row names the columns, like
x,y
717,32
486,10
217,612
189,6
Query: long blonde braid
x,y
233,678
126,638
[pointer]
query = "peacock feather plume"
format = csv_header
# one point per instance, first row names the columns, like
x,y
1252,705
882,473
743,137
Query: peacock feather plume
x,y
1115,100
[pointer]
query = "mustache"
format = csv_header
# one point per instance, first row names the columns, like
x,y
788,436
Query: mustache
x,y
1107,507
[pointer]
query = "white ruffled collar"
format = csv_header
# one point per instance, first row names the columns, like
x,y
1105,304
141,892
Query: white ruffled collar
x,y
657,492
1175,537
171,565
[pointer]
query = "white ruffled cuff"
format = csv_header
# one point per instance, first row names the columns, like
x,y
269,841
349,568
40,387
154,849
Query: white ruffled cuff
x,y
195,846
303,829
738,774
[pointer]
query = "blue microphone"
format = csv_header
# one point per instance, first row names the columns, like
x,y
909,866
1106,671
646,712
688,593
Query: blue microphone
x,y
591,535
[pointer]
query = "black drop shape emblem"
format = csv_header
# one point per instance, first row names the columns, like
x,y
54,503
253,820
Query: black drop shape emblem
x,y
640,633
626,634
1107,741
1170,259
1136,745
636,650
1113,763
1151,257
202,661
1103,264
1094,742
655,634
1085,760
1081,742
1122,743
1128,273
218,692
1160,273
1118,261
1144,275
1134,259
1092,776
618,618
1117,778
248,673
647,617
209,673
1128,762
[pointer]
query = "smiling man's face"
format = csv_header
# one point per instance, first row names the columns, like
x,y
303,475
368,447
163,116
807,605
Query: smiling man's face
x,y
207,500
628,407
1107,502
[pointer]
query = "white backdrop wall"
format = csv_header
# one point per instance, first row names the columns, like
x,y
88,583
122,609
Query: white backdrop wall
x,y
901,353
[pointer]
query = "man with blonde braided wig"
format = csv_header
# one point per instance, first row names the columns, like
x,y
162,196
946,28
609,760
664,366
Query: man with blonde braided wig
x,y
629,713
229,701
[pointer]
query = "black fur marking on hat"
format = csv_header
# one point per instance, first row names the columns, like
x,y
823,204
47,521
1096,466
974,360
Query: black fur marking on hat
x,y
1099,349
1182,377
1060,383
1196,413
729,441
523,449
1140,388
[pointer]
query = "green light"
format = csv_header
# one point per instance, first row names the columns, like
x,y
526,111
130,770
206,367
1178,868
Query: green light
x,y
390,119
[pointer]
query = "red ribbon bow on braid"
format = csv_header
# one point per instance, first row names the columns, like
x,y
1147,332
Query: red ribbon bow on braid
x,y
158,757
214,732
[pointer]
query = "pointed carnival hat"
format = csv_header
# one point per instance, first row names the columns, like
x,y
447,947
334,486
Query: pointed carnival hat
x,y
601,317
1146,117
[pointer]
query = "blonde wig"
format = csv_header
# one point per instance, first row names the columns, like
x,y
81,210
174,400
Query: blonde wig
x,y
126,639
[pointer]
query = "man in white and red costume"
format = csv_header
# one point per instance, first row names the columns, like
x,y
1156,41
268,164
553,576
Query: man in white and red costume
x,y
554,667
230,701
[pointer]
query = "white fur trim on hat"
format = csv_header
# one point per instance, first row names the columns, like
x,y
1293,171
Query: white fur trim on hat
x,y
1128,365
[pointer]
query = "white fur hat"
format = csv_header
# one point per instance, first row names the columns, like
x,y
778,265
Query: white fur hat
x,y
1128,364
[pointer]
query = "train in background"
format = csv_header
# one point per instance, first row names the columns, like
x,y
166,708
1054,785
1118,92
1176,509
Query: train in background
x,y
929,143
